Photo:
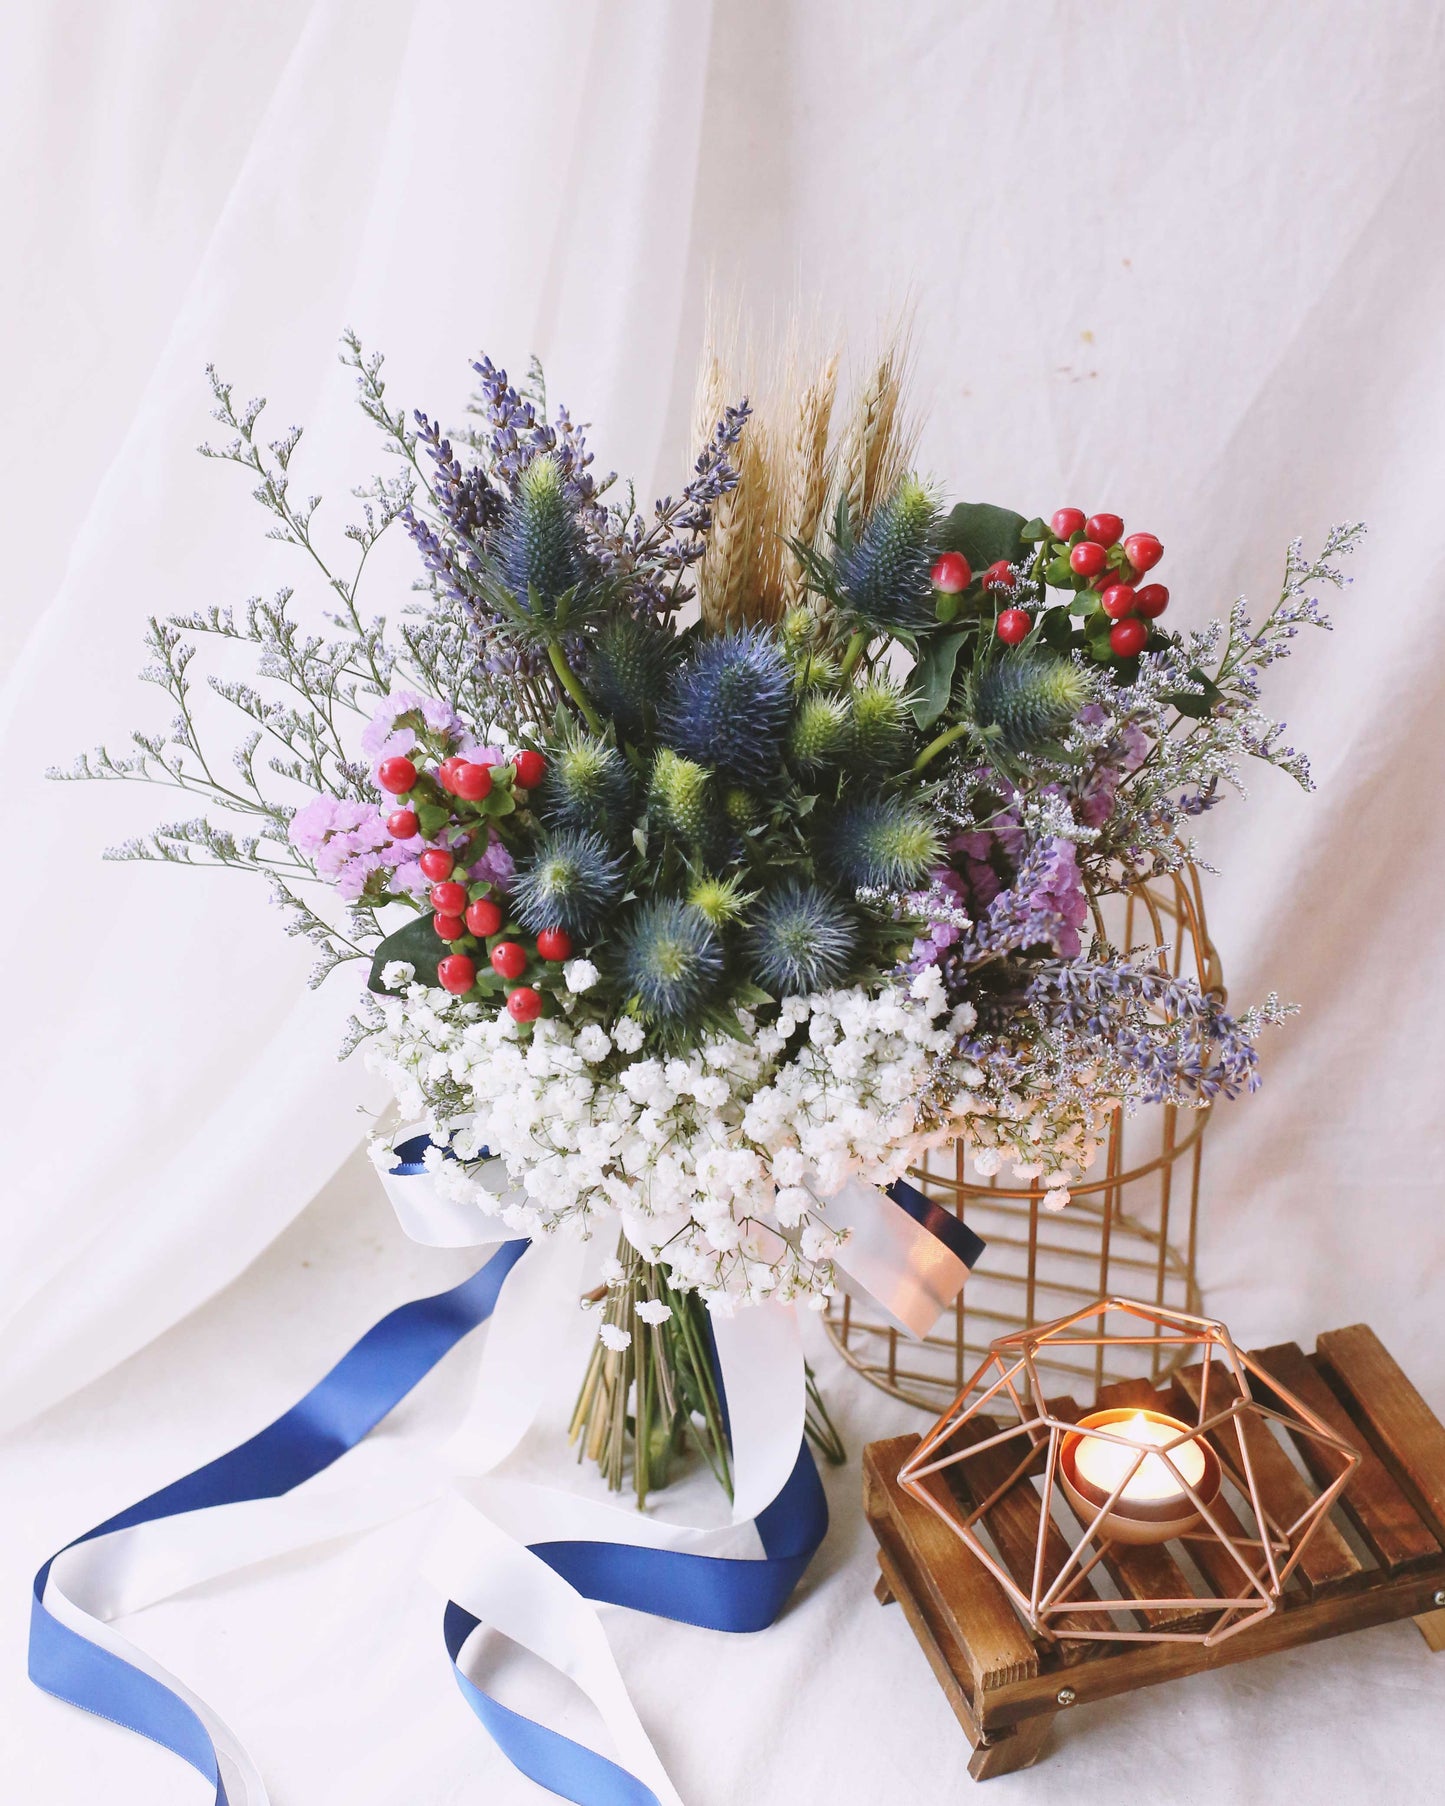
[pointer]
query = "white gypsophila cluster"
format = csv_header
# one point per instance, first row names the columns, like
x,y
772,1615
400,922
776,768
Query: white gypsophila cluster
x,y
718,1163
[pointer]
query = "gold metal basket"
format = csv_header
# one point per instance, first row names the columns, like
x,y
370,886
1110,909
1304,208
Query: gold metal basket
x,y
1131,1228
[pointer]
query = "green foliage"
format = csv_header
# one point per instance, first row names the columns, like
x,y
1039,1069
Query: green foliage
x,y
419,944
984,534
933,677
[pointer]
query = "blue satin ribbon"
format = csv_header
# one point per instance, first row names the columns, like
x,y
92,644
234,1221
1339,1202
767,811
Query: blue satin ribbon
x,y
370,1380
952,1231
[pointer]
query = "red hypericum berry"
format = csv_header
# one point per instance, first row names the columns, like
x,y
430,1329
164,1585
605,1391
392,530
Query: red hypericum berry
x,y
998,575
473,782
1151,600
448,899
456,973
524,1004
1126,638
448,769
554,943
483,917
402,825
450,928
1143,551
509,959
950,573
1104,529
1012,626
1067,522
529,767
396,775
1118,601
437,863
1088,558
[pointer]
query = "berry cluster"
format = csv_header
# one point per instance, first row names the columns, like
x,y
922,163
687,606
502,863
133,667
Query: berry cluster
x,y
464,793
1090,555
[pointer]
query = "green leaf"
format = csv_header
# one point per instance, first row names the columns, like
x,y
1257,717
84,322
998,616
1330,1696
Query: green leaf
x,y
1057,628
431,818
1197,707
983,533
419,944
933,677
1034,530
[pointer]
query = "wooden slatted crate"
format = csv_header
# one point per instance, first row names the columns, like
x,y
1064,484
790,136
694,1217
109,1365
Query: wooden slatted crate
x,y
1378,1557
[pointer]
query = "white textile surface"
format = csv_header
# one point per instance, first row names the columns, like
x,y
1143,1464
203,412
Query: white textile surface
x,y
1178,260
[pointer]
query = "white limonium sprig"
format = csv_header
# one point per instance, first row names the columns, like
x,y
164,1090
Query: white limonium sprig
x,y
720,1161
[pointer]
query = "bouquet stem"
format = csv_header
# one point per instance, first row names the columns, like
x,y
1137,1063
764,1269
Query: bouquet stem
x,y
642,1406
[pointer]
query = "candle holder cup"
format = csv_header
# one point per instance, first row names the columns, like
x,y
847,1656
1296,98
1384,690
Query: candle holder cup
x,y
1191,1483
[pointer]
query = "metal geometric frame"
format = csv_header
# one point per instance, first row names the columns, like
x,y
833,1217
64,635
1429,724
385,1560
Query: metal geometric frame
x,y
1132,1226
1265,1561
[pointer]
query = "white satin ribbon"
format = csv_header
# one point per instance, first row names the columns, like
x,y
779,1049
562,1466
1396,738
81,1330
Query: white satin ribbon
x,y
891,1260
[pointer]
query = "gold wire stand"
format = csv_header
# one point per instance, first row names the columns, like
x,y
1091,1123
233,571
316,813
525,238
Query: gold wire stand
x,y
1133,1229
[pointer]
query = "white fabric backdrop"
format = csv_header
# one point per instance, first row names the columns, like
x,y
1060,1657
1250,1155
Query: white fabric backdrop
x,y
1178,261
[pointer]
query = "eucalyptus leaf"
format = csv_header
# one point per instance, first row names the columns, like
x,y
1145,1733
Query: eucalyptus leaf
x,y
984,534
932,679
419,944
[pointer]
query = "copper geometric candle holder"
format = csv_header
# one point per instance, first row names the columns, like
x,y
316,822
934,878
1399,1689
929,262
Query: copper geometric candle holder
x,y
1106,1486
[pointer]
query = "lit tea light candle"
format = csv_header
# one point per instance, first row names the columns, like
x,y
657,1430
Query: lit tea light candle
x,y
1152,1505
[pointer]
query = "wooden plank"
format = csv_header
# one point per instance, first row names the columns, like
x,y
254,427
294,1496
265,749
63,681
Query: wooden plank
x,y
1431,1626
1014,1521
1380,1397
968,1600
1019,1748
1328,1560
945,1658
1145,1570
1390,1526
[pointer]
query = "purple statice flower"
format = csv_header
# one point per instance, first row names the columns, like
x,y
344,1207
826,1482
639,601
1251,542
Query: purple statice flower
x,y
1126,752
1045,905
348,841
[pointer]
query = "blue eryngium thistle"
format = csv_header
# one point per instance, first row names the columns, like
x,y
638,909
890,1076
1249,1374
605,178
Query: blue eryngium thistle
x,y
1028,697
882,741
671,961
883,574
538,544
570,882
683,800
801,940
588,785
729,705
627,666
888,843
821,733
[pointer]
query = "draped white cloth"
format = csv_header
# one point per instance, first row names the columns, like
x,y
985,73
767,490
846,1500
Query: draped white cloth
x,y
1178,261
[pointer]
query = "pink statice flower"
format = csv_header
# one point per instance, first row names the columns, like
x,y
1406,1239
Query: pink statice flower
x,y
347,841
388,735
494,865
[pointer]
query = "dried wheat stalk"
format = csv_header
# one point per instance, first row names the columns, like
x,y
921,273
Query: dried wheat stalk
x,y
802,483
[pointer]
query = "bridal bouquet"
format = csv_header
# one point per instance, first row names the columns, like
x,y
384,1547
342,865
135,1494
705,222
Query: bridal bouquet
x,y
712,861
